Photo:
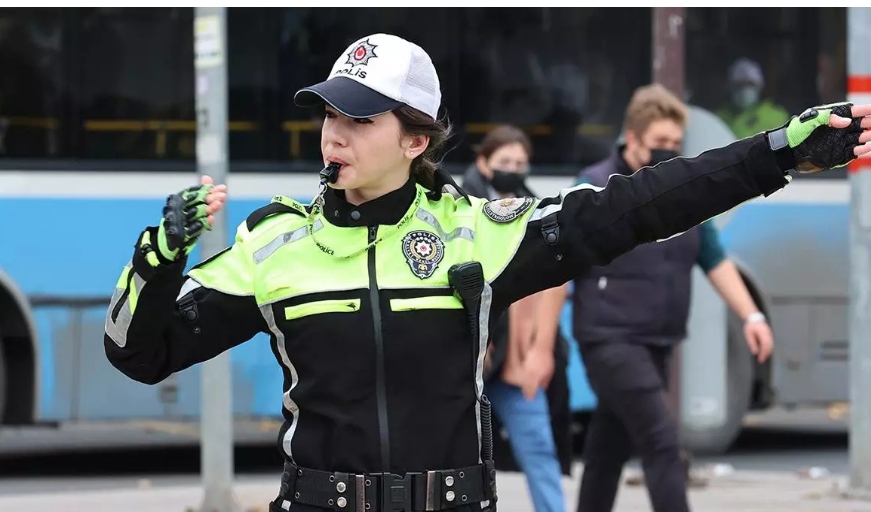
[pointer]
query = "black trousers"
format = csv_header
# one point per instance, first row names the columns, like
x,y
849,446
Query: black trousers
x,y
632,417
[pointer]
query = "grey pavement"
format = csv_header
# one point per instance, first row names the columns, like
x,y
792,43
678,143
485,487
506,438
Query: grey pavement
x,y
738,490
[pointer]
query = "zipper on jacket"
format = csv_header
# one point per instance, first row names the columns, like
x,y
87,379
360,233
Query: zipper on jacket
x,y
381,385
123,298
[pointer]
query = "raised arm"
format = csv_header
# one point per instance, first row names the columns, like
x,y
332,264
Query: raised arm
x,y
160,321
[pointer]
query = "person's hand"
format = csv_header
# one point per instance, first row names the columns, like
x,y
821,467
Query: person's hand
x,y
759,338
539,365
186,215
826,137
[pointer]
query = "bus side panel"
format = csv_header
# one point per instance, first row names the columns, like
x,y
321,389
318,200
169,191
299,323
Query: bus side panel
x,y
798,252
56,256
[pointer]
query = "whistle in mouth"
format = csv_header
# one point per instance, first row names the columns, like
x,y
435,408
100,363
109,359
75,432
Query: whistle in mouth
x,y
330,173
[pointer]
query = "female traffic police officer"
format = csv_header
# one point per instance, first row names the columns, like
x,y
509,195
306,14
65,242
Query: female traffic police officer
x,y
378,295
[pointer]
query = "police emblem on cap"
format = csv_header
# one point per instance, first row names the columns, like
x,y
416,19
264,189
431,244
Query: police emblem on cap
x,y
508,209
423,251
361,54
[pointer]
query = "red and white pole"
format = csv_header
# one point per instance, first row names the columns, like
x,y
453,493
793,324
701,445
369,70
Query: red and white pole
x,y
858,92
859,80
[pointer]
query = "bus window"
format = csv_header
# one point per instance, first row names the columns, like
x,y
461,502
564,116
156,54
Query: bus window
x,y
127,82
742,63
32,83
135,66
562,74
253,68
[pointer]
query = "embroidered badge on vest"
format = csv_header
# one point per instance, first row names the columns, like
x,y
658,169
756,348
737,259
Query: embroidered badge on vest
x,y
423,251
508,209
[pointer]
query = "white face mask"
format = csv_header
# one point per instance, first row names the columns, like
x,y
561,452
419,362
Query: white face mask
x,y
746,96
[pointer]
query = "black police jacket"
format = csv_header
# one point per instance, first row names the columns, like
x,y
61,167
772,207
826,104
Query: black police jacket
x,y
375,387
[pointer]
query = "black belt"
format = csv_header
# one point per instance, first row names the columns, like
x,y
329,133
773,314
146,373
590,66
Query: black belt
x,y
387,492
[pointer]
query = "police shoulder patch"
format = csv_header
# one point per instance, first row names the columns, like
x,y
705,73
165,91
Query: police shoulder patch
x,y
508,209
423,251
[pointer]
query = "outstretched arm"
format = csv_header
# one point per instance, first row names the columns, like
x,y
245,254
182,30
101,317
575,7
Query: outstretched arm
x,y
560,237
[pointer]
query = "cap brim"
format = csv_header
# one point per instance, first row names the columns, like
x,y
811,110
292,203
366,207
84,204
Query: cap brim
x,y
348,96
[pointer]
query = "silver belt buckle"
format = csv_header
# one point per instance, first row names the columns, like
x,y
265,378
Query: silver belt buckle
x,y
430,491
359,480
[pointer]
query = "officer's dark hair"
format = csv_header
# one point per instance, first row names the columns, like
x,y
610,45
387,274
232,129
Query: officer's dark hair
x,y
415,123
500,136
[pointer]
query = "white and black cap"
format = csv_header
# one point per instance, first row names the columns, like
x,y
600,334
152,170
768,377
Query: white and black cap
x,y
377,74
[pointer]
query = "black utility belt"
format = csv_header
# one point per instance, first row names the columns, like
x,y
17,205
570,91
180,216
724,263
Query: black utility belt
x,y
386,492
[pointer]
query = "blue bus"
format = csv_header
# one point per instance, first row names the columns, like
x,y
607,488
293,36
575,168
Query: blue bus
x,y
97,126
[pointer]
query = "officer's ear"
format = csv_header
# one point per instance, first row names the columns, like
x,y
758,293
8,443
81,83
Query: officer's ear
x,y
415,145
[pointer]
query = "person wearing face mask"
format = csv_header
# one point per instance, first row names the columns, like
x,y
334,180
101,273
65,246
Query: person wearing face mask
x,y
748,113
525,368
629,315
501,164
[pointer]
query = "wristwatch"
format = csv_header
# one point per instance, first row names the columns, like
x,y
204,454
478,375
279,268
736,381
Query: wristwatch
x,y
753,318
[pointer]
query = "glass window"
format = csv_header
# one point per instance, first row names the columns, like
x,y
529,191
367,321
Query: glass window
x,y
252,86
136,72
563,74
118,83
121,80
32,83
754,67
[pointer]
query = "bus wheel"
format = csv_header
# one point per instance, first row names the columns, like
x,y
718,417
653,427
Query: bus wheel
x,y
739,392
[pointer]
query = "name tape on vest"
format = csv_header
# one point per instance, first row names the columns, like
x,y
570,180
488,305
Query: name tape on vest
x,y
506,210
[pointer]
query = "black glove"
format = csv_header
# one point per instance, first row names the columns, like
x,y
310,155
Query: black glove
x,y
815,145
184,220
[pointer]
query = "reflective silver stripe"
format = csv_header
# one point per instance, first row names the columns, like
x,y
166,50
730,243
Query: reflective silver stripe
x,y
288,403
269,249
672,236
461,232
118,336
188,286
540,213
483,336
117,330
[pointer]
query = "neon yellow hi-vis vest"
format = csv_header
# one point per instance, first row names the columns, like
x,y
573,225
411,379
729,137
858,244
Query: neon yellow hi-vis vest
x,y
763,116
282,258
380,368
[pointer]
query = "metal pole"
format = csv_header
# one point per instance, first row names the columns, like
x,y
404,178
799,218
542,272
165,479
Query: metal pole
x,y
668,69
668,48
859,91
667,63
216,416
